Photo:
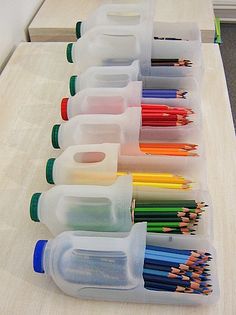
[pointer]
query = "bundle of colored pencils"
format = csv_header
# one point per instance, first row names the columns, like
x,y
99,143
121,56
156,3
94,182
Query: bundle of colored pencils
x,y
168,216
158,180
155,115
163,93
171,149
167,38
170,62
176,270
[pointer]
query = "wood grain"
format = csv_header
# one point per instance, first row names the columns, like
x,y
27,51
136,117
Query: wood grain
x,y
56,20
32,85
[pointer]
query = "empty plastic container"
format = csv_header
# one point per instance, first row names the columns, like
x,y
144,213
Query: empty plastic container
x,y
102,100
100,77
109,266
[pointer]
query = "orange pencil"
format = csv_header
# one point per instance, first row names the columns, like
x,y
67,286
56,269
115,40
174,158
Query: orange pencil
x,y
185,146
171,153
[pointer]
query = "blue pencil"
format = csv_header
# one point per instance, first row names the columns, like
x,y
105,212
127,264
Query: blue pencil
x,y
164,274
162,268
174,250
176,270
166,280
163,93
170,288
167,254
159,94
167,263
160,91
169,269
166,258
203,276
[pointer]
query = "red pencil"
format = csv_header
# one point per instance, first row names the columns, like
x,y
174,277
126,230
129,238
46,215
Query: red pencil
x,y
163,123
161,117
167,111
164,107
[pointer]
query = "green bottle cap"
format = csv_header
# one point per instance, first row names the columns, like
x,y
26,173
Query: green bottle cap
x,y
78,29
54,136
72,85
49,171
69,52
34,207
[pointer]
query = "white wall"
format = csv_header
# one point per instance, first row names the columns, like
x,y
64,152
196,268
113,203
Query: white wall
x,y
225,10
15,16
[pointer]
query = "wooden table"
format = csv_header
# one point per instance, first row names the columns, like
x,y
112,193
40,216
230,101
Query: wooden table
x,y
56,20
32,85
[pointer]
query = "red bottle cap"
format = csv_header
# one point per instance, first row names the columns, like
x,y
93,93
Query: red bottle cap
x,y
64,103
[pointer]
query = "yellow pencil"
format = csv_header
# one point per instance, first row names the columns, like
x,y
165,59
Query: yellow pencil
x,y
162,185
147,174
158,178
174,180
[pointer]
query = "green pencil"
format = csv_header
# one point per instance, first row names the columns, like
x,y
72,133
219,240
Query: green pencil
x,y
170,210
166,203
167,224
163,230
164,219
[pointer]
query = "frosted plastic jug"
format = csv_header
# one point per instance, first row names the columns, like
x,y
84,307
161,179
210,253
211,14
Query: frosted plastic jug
x,y
118,76
109,100
102,100
104,208
121,45
109,266
85,207
98,164
119,81
125,128
117,14
89,129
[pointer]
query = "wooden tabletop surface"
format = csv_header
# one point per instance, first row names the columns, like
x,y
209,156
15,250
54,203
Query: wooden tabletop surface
x,y
55,21
32,85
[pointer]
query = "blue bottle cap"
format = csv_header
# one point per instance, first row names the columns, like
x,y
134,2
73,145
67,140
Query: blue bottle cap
x,y
38,256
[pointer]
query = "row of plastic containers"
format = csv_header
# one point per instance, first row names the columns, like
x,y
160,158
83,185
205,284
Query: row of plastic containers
x,y
99,249
116,37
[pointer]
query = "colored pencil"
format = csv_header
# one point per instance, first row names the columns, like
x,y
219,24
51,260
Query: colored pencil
x,y
171,62
177,270
149,178
151,216
163,209
168,216
162,185
158,115
167,203
163,93
169,145
171,149
167,38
